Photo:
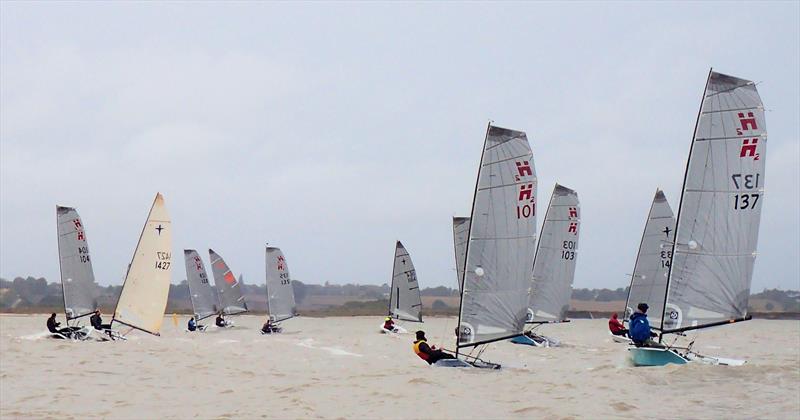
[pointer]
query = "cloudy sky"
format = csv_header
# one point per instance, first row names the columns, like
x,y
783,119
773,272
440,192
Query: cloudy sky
x,y
333,129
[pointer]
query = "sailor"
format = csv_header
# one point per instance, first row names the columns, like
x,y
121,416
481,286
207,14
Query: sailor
x,y
192,324
97,321
615,326
267,328
428,353
52,326
220,321
388,324
640,328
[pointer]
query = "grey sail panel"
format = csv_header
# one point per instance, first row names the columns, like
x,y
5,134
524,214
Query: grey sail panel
x,y
230,290
720,209
404,298
460,237
649,281
556,256
500,250
203,296
77,276
280,292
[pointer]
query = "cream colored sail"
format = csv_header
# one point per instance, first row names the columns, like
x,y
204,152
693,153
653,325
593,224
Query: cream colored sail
x,y
144,294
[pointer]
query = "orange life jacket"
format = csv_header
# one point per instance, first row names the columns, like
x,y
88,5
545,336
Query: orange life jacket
x,y
423,356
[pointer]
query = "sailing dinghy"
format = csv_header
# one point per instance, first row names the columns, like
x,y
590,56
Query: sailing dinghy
x,y
404,297
230,290
649,278
553,267
280,292
77,276
499,249
145,290
204,299
709,278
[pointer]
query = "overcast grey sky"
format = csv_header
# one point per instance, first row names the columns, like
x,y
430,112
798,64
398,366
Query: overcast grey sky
x,y
333,129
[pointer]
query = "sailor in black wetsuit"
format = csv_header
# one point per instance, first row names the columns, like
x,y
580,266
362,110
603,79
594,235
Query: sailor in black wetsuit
x,y
97,321
52,326
428,353
220,321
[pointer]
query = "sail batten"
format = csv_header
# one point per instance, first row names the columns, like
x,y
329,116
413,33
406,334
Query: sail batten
x,y
77,276
720,209
404,297
280,292
500,245
145,290
556,257
231,296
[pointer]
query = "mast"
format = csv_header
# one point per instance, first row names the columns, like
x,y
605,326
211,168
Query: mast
x,y
536,254
60,264
391,283
469,235
680,205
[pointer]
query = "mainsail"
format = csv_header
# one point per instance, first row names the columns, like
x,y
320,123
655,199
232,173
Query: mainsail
x,y
230,290
500,249
556,255
720,209
77,277
460,236
204,298
280,292
404,299
649,280
144,293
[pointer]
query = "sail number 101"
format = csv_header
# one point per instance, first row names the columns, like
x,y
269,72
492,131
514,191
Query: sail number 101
x,y
748,182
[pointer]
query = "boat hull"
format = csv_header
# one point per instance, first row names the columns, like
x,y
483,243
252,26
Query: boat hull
x,y
650,356
536,341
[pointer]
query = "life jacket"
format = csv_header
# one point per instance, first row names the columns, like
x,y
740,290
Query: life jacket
x,y
423,356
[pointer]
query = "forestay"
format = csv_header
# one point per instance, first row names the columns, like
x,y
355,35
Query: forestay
x,y
77,276
230,291
144,293
280,292
204,297
556,255
649,280
460,236
500,249
404,299
720,208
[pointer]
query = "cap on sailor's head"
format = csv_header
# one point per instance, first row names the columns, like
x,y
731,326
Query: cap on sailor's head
x,y
643,307
420,335
388,318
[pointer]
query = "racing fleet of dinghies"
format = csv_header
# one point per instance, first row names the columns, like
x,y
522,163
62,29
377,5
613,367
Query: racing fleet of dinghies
x,y
405,302
553,266
77,276
280,292
144,293
229,288
500,247
649,278
714,249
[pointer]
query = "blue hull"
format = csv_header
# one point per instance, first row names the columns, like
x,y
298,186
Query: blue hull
x,y
647,356
524,339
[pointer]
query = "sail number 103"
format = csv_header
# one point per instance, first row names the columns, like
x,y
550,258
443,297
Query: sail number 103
x,y
568,253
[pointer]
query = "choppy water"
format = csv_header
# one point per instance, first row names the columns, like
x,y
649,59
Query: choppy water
x,y
343,368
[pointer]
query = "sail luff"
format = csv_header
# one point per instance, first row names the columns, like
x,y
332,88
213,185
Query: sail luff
x,y
460,238
720,211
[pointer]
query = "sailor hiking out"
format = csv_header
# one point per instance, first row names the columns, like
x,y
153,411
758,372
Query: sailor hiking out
x,y
428,353
640,328
615,326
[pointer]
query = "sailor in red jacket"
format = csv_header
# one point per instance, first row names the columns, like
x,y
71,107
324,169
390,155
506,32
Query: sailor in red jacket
x,y
615,326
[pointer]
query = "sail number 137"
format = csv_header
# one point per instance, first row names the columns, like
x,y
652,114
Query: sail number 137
x,y
745,182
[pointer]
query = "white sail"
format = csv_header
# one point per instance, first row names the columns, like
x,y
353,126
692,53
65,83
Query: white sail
x,y
500,249
649,280
460,236
144,293
404,298
77,276
203,296
230,291
280,292
720,209
556,256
